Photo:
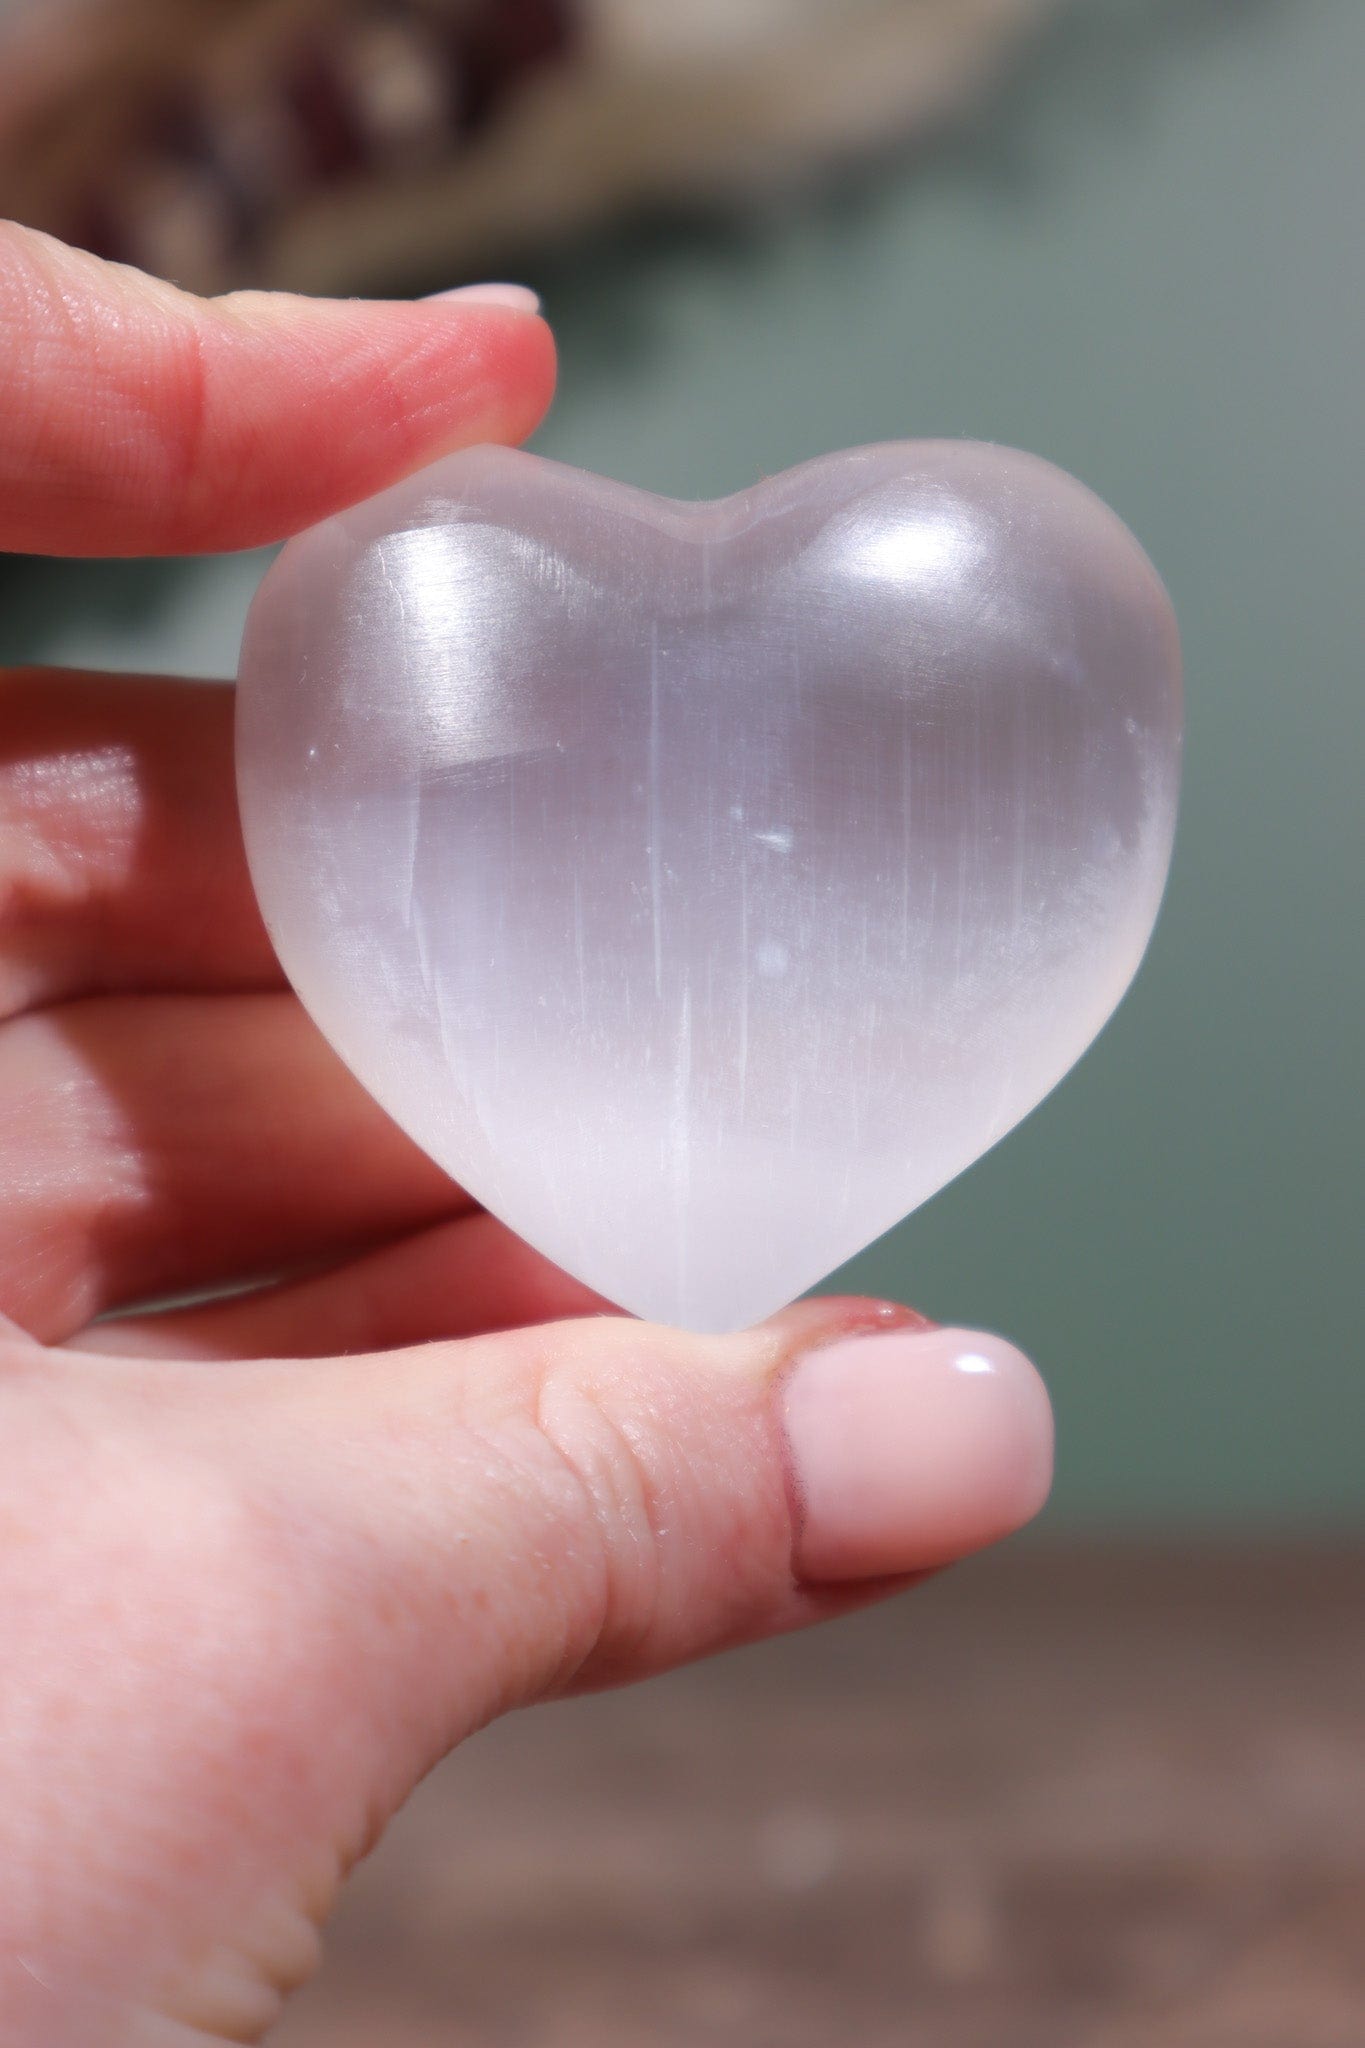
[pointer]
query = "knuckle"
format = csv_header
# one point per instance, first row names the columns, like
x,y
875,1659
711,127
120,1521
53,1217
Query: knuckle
x,y
682,1486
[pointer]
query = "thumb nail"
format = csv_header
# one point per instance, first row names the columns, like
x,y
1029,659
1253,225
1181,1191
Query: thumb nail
x,y
911,1448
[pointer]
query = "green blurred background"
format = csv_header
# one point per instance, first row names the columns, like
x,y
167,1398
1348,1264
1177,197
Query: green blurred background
x,y
1143,259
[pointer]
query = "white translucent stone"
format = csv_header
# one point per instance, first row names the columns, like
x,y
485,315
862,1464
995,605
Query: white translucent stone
x,y
703,886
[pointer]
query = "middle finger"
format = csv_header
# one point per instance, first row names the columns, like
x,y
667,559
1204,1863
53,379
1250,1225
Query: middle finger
x,y
157,1145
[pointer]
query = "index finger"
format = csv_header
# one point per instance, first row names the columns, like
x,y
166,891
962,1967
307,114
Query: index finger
x,y
140,420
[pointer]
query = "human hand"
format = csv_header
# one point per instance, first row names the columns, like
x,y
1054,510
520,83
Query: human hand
x,y
267,1558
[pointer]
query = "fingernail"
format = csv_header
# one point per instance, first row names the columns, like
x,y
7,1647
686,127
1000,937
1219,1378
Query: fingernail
x,y
519,297
910,1448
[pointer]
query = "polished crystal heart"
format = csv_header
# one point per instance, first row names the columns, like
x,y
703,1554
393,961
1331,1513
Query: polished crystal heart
x,y
703,886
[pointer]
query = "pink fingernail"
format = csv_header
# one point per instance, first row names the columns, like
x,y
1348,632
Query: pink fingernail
x,y
910,1448
519,297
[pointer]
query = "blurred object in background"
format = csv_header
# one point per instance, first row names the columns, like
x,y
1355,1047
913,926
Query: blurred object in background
x,y
334,145
1057,1800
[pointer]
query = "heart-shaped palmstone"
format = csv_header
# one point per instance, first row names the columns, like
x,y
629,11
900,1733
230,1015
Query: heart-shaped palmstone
x,y
703,886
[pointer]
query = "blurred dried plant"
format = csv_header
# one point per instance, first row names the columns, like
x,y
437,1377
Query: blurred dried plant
x,y
335,145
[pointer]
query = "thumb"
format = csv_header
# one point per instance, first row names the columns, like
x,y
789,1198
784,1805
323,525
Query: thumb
x,y
585,1503
269,1596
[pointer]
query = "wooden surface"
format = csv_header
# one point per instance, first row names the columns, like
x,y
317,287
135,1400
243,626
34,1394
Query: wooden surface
x,y
1054,1800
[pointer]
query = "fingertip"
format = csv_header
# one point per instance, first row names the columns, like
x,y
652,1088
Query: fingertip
x,y
380,389
912,1448
507,342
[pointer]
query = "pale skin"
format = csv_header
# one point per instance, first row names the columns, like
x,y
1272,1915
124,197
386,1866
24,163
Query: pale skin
x,y
266,1560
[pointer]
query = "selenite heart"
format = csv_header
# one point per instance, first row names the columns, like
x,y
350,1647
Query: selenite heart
x,y
703,886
